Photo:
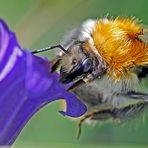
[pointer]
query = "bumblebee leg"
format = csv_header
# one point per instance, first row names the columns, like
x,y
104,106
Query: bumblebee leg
x,y
92,116
137,95
107,114
81,122
55,63
96,115
130,110
120,113
76,84
139,103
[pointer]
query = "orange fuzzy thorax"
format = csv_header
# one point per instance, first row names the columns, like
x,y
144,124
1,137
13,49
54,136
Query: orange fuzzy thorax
x,y
118,43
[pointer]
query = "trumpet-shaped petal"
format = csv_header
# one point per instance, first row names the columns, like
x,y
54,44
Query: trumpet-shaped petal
x,y
26,85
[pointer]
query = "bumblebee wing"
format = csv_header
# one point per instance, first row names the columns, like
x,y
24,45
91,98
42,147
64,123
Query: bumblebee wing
x,y
144,37
142,72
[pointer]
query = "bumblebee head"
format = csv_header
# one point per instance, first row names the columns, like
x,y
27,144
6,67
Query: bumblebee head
x,y
77,63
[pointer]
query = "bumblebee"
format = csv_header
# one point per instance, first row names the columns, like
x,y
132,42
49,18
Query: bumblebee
x,y
105,59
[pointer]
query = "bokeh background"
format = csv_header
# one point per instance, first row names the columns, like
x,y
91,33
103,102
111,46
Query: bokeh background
x,y
39,23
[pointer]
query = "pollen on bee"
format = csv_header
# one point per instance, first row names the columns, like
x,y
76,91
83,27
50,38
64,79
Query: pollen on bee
x,y
117,41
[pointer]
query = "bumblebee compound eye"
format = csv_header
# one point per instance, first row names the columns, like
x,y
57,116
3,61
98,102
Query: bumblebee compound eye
x,y
84,67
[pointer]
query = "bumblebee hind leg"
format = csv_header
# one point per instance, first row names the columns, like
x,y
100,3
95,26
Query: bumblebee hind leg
x,y
81,122
117,114
96,115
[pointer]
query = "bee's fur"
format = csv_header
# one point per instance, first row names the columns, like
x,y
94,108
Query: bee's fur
x,y
115,44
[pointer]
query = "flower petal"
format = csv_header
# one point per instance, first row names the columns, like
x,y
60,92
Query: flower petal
x,y
26,85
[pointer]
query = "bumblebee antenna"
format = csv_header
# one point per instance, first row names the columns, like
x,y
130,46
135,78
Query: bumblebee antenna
x,y
49,48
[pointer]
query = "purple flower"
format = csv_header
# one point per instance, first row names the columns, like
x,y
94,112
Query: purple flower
x,y
26,85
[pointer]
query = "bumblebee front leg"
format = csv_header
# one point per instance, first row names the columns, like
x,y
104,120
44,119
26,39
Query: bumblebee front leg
x,y
55,63
85,80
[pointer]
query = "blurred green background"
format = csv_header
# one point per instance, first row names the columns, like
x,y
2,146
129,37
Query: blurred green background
x,y
39,23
